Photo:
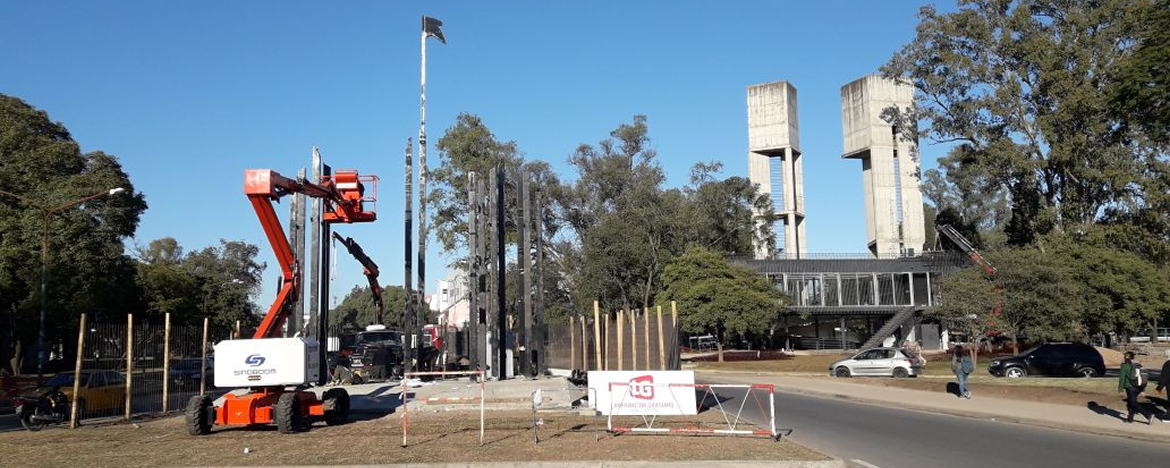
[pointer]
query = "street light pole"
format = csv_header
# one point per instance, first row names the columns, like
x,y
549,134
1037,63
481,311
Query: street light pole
x,y
46,216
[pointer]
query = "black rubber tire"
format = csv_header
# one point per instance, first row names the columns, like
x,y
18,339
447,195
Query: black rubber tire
x,y
1087,372
338,400
198,415
1019,371
901,373
28,423
842,372
287,413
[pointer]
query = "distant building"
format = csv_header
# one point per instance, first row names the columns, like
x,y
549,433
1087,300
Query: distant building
x,y
450,301
889,165
776,164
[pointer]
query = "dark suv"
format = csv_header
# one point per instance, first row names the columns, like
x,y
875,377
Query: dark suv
x,y
1051,360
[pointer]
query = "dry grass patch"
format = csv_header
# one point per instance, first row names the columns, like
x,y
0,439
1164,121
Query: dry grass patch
x,y
434,437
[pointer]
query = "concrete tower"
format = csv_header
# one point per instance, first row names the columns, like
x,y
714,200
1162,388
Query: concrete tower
x,y
889,165
775,162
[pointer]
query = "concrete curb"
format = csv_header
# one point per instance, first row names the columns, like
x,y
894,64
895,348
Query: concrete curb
x,y
967,414
607,464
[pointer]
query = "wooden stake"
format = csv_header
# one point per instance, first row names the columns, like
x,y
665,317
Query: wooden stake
x,y
646,334
73,416
203,361
621,355
129,360
572,344
633,338
674,328
584,345
661,345
166,381
606,354
597,333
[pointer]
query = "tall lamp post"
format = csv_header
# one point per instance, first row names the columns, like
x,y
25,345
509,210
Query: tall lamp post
x,y
46,215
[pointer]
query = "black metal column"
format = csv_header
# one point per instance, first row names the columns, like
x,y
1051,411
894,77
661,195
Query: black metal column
x,y
501,268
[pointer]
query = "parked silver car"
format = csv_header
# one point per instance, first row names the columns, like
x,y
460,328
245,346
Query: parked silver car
x,y
886,362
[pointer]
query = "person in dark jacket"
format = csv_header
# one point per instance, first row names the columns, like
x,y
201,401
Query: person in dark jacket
x,y
1125,383
1164,384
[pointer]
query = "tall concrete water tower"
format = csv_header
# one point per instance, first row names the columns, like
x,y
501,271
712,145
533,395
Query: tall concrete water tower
x,y
889,165
776,164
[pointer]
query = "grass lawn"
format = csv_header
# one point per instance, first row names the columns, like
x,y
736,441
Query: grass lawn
x,y
937,375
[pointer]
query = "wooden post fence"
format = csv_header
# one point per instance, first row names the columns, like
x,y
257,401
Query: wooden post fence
x,y
572,344
597,334
621,319
661,346
633,338
203,361
646,334
674,328
73,416
584,345
606,349
166,373
129,362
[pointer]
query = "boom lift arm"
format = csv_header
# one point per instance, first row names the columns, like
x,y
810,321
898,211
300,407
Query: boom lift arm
x,y
369,268
344,197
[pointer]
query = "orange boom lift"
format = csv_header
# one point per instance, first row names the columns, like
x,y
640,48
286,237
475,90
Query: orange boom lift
x,y
279,394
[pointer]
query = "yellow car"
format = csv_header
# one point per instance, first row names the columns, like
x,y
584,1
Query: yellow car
x,y
100,390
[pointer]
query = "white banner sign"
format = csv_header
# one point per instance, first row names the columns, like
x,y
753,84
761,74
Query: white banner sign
x,y
644,392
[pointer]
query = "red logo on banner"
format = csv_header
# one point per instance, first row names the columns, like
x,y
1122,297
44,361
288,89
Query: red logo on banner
x,y
642,387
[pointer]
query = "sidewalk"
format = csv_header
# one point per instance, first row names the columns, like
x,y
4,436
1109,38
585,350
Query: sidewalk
x,y
1103,418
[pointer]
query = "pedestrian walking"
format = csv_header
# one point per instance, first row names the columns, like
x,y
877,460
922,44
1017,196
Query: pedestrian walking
x,y
962,366
1164,384
1132,380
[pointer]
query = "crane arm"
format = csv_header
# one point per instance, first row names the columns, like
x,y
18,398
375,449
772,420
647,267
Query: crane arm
x,y
343,196
964,244
369,268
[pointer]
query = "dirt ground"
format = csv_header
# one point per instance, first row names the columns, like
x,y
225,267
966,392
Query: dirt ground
x,y
434,437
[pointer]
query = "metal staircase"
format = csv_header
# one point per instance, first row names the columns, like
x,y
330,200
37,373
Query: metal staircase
x,y
886,330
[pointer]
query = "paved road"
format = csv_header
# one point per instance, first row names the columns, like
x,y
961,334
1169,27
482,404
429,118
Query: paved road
x,y
869,436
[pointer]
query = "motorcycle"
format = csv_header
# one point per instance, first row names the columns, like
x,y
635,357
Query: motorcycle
x,y
37,412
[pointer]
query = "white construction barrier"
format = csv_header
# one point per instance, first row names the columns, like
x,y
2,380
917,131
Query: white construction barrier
x,y
733,417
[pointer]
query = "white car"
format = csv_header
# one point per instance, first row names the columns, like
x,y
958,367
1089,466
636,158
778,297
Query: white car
x,y
884,362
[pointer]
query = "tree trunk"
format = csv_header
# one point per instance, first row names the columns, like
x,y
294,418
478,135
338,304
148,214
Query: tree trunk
x,y
719,344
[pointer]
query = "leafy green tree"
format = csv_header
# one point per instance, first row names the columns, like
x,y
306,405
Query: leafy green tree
x,y
1021,87
87,268
469,146
220,283
357,309
626,224
1032,293
728,215
1124,291
720,298
229,281
1141,96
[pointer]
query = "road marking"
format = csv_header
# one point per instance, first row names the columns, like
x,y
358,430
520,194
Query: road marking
x,y
865,464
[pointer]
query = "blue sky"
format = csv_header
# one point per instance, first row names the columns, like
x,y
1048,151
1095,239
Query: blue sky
x,y
189,94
